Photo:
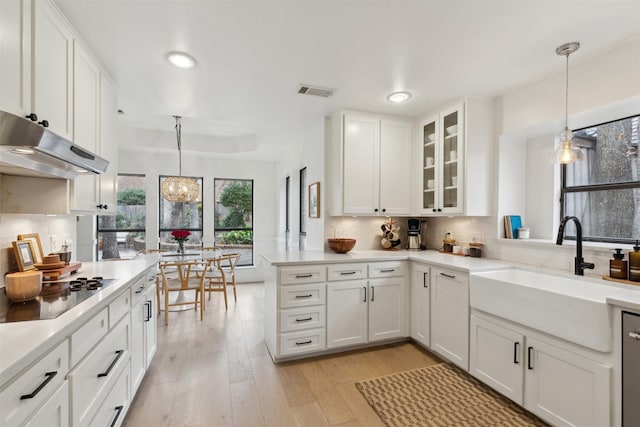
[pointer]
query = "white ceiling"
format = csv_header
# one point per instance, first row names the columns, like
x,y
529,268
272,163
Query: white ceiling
x,y
252,55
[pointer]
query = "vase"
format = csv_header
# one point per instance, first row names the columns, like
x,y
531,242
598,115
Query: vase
x,y
180,246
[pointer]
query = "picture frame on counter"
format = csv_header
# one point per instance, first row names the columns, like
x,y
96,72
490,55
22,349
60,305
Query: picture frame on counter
x,y
25,256
314,200
37,246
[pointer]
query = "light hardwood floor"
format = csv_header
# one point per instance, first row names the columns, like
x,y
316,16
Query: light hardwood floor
x,y
218,373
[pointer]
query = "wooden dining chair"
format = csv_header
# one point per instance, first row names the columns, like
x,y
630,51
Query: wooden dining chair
x,y
158,277
186,280
219,274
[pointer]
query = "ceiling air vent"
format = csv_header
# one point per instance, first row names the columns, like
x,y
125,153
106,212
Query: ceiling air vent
x,y
315,90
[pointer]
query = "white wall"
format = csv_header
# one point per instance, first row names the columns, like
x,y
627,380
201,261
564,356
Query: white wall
x,y
307,150
153,163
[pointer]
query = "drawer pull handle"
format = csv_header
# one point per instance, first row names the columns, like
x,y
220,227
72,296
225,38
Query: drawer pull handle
x,y
304,296
346,273
49,376
529,354
303,342
306,319
387,270
516,346
365,294
425,278
634,335
148,305
303,276
450,276
118,412
373,293
119,354
140,289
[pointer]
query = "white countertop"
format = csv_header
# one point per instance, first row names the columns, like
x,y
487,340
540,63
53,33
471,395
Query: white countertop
x,y
22,342
463,263
625,296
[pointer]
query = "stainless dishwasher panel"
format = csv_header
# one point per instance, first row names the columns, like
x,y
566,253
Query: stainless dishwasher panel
x,y
630,369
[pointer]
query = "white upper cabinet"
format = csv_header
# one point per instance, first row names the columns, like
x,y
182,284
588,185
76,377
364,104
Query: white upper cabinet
x,y
108,181
15,51
86,101
453,158
367,159
52,94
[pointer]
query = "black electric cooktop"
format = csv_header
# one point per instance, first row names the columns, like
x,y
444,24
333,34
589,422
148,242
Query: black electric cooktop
x,y
54,299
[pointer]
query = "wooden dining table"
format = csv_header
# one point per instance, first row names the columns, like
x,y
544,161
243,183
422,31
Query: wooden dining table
x,y
178,257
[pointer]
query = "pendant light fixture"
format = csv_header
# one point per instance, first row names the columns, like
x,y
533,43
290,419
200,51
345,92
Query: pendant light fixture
x,y
179,188
568,152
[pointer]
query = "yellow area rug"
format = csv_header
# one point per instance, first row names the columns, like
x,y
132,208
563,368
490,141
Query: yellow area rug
x,y
441,395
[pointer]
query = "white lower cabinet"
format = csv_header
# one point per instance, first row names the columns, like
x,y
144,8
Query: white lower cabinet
x,y
94,377
557,384
361,311
54,412
143,331
347,313
450,315
420,304
116,403
32,389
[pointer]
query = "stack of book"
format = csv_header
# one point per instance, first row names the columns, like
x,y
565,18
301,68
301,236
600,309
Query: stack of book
x,y
511,225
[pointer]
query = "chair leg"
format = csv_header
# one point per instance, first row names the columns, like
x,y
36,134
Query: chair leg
x,y
158,281
235,297
224,291
166,307
201,303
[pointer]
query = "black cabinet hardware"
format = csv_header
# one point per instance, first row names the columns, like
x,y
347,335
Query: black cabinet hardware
x,y
516,346
119,354
304,296
303,276
33,117
303,342
529,357
365,294
49,376
373,293
450,276
118,412
306,319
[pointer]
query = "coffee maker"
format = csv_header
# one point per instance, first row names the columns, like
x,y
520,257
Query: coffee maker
x,y
414,240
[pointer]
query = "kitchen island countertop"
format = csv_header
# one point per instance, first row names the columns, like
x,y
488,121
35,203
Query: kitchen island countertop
x,y
22,343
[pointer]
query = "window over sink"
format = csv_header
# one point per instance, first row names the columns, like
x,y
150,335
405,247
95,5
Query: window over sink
x,y
603,190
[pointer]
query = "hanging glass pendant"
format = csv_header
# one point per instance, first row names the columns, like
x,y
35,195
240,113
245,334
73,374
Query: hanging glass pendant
x,y
568,151
180,188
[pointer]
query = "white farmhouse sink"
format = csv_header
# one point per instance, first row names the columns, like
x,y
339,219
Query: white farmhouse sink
x,y
568,308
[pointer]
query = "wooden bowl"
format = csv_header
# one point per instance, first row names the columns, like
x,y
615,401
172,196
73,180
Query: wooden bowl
x,y
342,245
23,286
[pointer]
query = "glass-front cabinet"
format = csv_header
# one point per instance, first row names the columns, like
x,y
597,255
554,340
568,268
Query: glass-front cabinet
x,y
442,162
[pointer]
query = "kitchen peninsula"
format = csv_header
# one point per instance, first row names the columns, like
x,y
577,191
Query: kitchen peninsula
x,y
48,367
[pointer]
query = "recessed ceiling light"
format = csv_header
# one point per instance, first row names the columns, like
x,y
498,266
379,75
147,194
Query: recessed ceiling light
x,y
398,97
181,59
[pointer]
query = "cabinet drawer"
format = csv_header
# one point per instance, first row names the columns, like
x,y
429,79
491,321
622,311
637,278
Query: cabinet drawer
x,y
302,295
138,289
119,308
386,269
346,272
303,274
54,412
295,319
96,374
88,335
31,389
303,342
116,403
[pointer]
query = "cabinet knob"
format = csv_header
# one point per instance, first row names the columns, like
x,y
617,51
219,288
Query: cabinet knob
x,y
44,123
435,210
101,206
384,210
439,210
375,210
33,117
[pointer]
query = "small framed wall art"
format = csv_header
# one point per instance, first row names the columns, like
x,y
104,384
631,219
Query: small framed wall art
x,y
314,200
37,246
25,256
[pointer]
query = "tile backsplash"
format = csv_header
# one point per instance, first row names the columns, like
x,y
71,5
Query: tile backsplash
x,y
52,230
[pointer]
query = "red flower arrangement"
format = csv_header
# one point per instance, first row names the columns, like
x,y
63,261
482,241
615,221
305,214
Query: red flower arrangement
x,y
181,236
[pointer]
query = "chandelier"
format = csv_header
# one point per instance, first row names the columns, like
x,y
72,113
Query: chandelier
x,y
568,152
179,188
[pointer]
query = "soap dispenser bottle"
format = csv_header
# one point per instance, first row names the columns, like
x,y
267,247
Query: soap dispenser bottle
x,y
634,263
618,266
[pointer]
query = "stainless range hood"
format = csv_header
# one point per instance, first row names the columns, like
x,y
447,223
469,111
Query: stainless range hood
x,y
28,149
